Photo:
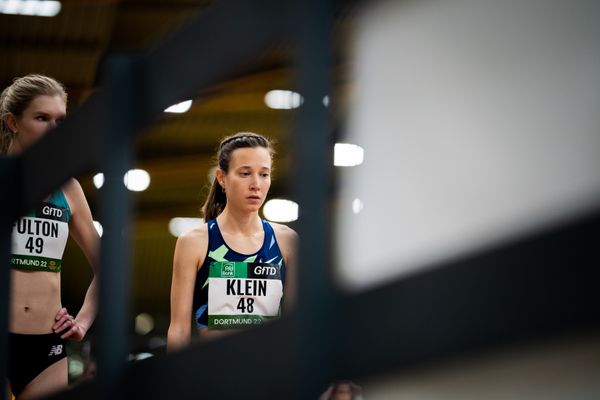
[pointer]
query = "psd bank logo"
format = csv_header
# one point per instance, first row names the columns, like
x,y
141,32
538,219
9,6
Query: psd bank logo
x,y
228,270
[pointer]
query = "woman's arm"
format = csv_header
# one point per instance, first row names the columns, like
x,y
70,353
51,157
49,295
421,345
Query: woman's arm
x,y
82,230
189,254
288,244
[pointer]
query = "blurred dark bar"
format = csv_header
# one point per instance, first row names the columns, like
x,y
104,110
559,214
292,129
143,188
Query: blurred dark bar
x,y
8,168
534,288
313,158
115,202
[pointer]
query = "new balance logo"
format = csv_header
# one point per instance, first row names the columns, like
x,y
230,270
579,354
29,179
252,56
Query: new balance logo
x,y
56,350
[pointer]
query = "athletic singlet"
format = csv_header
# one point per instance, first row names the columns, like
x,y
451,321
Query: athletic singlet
x,y
234,290
40,237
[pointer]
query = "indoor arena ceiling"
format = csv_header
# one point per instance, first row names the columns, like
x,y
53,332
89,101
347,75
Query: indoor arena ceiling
x,y
178,150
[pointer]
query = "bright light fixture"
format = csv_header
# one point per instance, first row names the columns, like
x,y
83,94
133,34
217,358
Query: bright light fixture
x,y
142,356
283,99
144,323
98,180
179,107
357,206
76,367
136,180
180,225
98,227
280,210
347,155
30,7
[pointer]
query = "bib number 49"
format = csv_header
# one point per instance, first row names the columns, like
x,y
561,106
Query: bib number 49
x,y
246,305
37,246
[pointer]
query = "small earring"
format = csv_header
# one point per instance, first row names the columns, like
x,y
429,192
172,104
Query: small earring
x,y
223,189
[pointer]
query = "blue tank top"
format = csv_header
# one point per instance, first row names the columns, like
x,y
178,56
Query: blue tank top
x,y
39,238
219,252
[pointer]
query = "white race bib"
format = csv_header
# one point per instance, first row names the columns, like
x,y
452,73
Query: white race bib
x,y
242,294
39,240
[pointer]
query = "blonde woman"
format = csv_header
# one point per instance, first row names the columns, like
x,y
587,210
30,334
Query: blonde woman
x,y
39,324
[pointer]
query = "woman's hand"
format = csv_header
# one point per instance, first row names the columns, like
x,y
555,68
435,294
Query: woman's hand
x,y
68,326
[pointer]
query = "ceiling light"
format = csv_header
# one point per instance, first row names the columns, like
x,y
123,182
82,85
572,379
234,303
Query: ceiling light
x,y
280,210
180,225
144,323
98,227
48,8
179,107
347,155
137,180
357,206
98,180
142,356
76,367
283,99
30,7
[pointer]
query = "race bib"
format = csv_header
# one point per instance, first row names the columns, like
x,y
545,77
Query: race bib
x,y
242,294
39,239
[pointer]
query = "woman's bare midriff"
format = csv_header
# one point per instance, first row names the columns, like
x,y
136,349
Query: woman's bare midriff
x,y
34,302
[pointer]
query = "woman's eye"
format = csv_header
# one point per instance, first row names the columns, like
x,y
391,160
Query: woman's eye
x,y
40,118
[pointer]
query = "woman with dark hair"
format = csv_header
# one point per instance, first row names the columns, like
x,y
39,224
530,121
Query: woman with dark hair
x,y
342,390
39,324
235,270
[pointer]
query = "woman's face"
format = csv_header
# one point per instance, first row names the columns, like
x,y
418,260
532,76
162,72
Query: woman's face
x,y
343,391
43,113
249,178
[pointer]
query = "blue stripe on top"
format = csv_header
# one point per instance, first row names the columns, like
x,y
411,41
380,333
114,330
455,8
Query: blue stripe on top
x,y
218,250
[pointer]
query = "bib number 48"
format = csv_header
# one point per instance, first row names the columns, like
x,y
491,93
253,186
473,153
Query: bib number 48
x,y
246,305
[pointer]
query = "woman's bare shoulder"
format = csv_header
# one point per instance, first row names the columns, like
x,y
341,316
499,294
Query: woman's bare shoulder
x,y
73,191
284,233
191,247
194,236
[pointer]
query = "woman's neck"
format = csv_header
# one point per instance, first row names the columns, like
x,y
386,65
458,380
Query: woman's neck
x,y
244,223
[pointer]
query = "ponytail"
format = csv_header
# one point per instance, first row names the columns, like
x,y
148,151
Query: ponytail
x,y
215,203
